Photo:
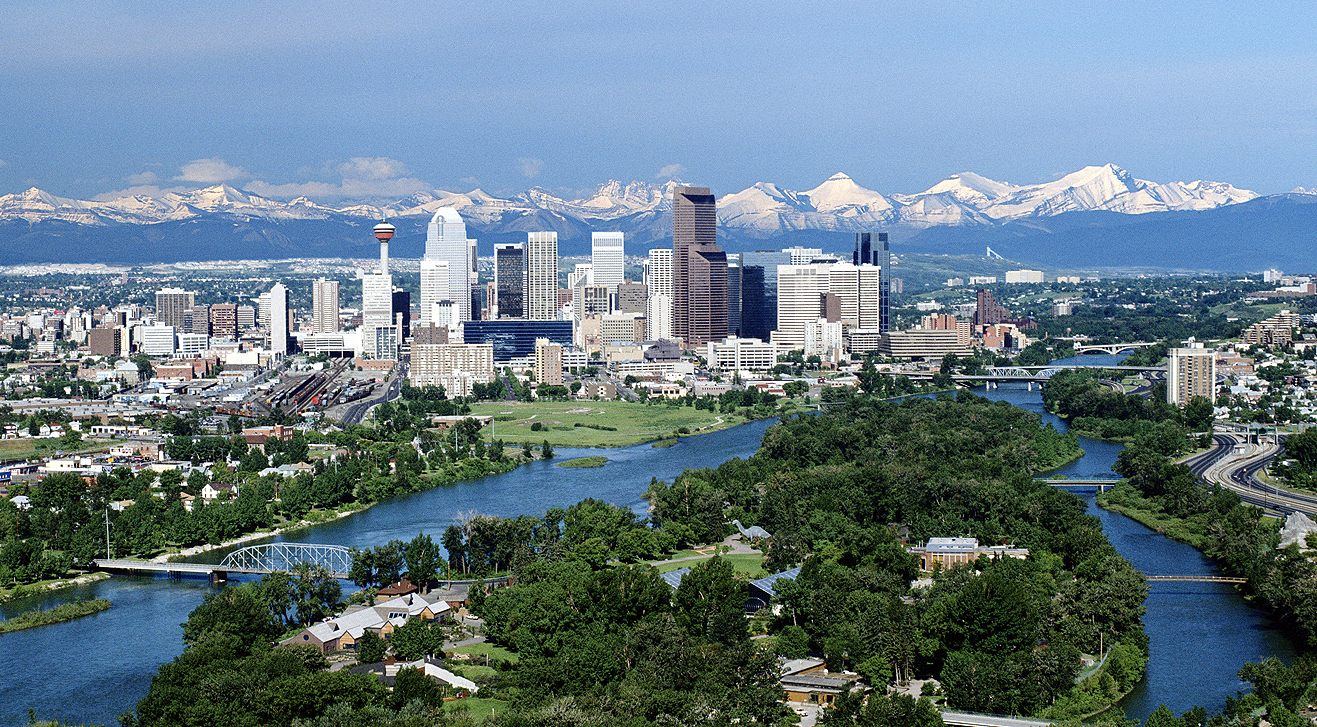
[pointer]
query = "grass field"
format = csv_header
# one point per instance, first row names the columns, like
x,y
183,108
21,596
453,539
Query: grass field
x,y
479,708
24,448
746,564
585,462
631,423
487,649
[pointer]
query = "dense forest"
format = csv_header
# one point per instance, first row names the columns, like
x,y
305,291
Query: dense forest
x,y
835,490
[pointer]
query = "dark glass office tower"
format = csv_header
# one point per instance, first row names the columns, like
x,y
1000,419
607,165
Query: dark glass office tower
x,y
510,280
759,292
734,271
883,259
402,305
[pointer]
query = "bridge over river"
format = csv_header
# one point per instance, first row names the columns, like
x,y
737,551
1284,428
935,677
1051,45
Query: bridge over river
x,y
256,559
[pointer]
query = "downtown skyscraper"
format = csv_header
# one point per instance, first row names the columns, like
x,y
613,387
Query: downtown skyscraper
x,y
447,265
607,259
699,268
542,276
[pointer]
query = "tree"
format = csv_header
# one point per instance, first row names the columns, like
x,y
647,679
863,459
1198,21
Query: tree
x,y
239,611
423,560
546,450
371,648
413,685
417,639
709,602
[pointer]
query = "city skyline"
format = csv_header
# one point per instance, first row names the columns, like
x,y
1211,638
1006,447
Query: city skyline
x,y
285,103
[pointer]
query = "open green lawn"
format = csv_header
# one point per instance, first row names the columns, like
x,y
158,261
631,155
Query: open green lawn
x,y
746,564
24,448
479,708
633,423
486,649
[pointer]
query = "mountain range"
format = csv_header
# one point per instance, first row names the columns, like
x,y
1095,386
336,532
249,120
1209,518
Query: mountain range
x,y
952,216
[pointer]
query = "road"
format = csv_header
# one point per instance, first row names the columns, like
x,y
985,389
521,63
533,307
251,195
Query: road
x,y
1236,468
392,390
972,719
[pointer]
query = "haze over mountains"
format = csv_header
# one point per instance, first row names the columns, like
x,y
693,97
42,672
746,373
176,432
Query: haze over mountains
x,y
1133,222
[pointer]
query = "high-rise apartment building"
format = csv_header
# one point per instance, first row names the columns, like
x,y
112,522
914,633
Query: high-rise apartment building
x,y
170,303
607,259
548,362
541,276
197,320
699,268
510,280
1190,372
279,319
224,320
446,240
987,312
324,306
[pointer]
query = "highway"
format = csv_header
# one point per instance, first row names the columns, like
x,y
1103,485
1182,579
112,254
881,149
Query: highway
x,y
1236,469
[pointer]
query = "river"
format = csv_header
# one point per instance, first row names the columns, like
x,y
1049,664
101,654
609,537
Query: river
x,y
94,668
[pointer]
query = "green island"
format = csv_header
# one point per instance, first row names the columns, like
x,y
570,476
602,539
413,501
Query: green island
x,y
602,423
585,462
59,614
590,634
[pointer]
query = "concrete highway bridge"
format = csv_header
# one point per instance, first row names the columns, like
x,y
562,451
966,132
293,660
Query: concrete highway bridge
x,y
1110,348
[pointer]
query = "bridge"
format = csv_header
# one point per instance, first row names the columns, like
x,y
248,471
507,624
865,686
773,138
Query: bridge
x,y
1101,484
1110,348
1195,579
256,559
1031,375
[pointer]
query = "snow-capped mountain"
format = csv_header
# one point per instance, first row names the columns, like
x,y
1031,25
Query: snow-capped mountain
x,y
762,210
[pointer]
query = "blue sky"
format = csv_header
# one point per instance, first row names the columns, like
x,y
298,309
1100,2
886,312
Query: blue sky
x,y
356,99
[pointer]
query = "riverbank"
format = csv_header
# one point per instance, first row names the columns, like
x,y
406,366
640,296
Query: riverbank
x,y
59,614
28,589
1123,499
320,517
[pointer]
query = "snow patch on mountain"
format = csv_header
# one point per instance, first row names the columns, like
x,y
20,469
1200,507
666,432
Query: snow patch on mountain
x,y
761,210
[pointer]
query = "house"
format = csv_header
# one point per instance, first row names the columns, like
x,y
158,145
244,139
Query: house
x,y
212,490
386,673
946,553
808,681
345,630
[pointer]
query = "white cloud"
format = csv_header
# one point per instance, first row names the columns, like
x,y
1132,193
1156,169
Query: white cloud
x,y
670,171
530,167
471,182
209,171
372,168
147,177
347,188
362,177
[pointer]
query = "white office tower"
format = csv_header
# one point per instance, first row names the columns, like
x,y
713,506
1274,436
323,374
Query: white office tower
x,y
581,275
606,259
434,287
279,319
800,290
324,304
263,311
158,340
803,255
857,290
542,276
446,241
658,308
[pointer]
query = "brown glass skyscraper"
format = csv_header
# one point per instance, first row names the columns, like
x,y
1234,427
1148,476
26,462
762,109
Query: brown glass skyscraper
x,y
699,268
